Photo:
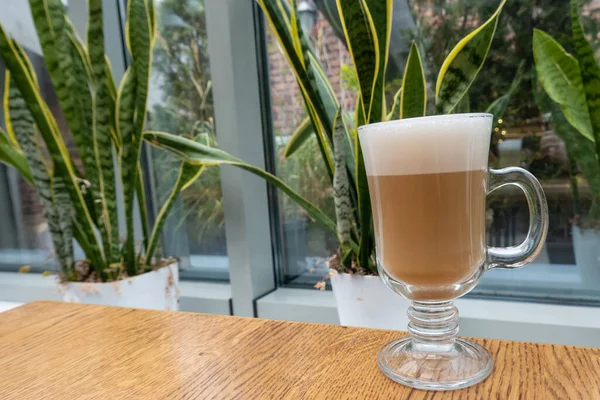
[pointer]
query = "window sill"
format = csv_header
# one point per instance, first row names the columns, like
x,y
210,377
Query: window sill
x,y
205,297
494,319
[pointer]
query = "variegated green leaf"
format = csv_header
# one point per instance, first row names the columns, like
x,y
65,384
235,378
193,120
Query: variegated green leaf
x,y
349,138
140,194
199,154
363,201
141,36
413,99
83,107
395,110
363,44
71,88
381,14
102,122
590,72
70,71
341,187
19,117
53,140
63,208
300,135
187,173
581,149
316,90
462,65
365,216
11,154
560,77
295,28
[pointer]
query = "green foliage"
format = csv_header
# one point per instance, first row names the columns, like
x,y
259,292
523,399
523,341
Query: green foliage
x,y
104,124
11,154
560,75
366,25
440,24
462,65
573,83
413,98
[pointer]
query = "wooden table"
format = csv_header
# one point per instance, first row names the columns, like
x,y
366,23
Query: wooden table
x,y
68,351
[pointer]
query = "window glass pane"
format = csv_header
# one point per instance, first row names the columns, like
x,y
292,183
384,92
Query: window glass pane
x,y
24,235
181,102
306,245
526,136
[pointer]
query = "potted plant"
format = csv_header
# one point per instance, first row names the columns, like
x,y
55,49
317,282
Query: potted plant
x,y
78,192
366,26
571,82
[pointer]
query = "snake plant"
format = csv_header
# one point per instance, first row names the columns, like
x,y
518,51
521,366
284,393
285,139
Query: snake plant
x,y
572,82
366,25
106,123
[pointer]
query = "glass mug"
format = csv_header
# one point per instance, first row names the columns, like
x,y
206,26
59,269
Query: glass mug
x,y
428,180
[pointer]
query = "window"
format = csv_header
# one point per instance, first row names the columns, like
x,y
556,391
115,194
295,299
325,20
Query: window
x,y
523,137
180,101
305,245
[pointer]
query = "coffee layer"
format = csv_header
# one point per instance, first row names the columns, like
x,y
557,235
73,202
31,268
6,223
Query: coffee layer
x,y
430,228
449,143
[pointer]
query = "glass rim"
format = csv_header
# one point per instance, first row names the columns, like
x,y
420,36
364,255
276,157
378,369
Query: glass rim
x,y
429,117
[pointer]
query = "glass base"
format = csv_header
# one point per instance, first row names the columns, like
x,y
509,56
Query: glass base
x,y
455,365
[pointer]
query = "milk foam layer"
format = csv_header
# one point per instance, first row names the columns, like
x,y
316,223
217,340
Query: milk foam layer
x,y
447,143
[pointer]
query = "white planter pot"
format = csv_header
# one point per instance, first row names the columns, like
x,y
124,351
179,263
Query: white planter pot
x,y
586,245
154,290
366,302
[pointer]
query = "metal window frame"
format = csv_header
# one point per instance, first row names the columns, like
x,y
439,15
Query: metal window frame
x,y
232,49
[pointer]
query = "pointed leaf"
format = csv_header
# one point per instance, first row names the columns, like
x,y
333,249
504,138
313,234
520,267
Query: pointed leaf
x,y
141,37
22,122
590,72
560,77
53,140
381,14
63,209
196,153
581,149
413,99
316,89
365,216
187,174
462,65
341,187
12,155
300,135
68,78
395,110
102,122
363,45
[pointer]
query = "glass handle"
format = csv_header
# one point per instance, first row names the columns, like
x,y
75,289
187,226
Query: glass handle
x,y
517,256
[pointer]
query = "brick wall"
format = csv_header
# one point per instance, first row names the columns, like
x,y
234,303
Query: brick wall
x,y
287,106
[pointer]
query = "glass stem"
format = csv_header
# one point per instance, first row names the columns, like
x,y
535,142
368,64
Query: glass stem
x,y
433,326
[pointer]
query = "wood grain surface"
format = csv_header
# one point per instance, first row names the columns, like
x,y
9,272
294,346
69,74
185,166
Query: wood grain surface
x,y
68,351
